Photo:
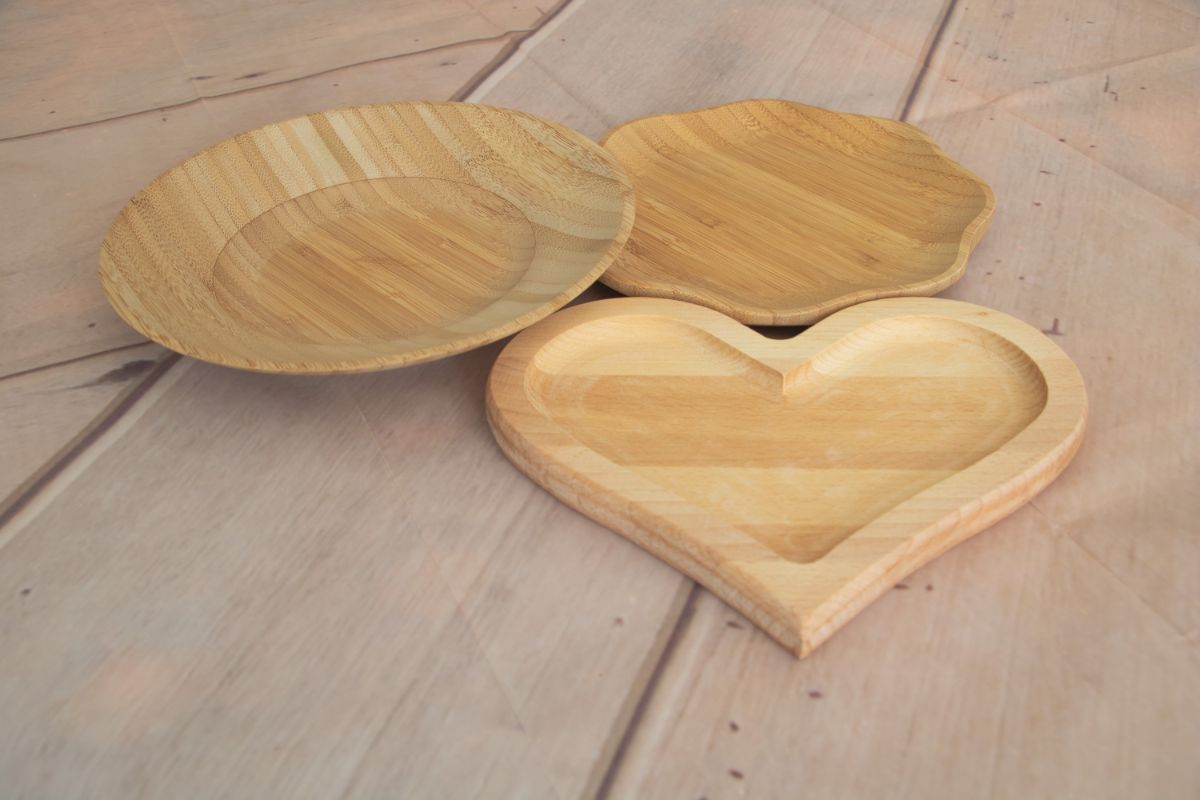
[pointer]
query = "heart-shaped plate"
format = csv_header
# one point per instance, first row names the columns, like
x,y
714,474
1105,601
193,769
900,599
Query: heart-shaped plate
x,y
797,479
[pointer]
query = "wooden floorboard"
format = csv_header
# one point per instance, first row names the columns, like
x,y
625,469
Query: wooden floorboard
x,y
50,413
68,64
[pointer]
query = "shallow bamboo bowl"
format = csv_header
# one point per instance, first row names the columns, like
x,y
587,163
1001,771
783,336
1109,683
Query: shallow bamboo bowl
x,y
780,213
366,238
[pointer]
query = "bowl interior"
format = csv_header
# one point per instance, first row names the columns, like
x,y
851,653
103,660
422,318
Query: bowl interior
x,y
778,206
366,237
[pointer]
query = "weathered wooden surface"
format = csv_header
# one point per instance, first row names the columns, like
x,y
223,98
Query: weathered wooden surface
x,y
239,584
47,410
67,64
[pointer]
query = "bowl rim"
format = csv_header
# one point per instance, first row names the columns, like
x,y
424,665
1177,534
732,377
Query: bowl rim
x,y
111,283
807,314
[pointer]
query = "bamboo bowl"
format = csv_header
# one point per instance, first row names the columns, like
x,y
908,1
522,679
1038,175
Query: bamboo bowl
x,y
780,213
366,238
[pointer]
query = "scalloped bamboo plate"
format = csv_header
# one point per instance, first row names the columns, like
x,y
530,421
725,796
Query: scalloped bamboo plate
x,y
779,213
797,479
367,237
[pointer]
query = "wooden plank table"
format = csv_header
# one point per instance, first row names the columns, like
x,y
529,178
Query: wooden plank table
x,y
215,583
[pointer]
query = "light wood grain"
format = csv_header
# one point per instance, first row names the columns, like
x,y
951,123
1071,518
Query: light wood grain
x,y
342,630
223,40
253,605
65,64
571,618
800,479
62,63
366,238
1116,83
779,213
681,55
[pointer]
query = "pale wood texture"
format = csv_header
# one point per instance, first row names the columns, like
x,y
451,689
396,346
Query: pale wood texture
x,y
367,237
858,56
69,64
1130,506
46,410
779,213
334,633
1055,655
799,480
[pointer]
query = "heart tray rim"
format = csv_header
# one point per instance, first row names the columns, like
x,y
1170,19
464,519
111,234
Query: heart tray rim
x,y
799,604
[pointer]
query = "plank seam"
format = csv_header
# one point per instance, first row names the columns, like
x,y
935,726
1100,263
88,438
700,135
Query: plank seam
x,y
934,41
518,33
101,423
682,622
1029,122
508,51
73,360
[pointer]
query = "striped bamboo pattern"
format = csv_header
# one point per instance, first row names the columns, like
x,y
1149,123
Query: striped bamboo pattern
x,y
797,479
779,213
366,237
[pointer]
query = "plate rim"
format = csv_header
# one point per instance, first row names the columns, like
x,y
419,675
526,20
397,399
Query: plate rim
x,y
111,284
750,314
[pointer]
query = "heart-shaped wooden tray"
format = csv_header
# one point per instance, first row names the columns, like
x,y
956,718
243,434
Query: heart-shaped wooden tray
x,y
779,213
366,237
797,479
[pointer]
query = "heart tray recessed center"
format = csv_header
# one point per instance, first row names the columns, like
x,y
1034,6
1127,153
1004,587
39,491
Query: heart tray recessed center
x,y
797,479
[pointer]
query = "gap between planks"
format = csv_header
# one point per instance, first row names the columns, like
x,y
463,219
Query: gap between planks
x,y
492,71
513,35
637,710
931,48
74,360
1190,638
77,456
84,438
